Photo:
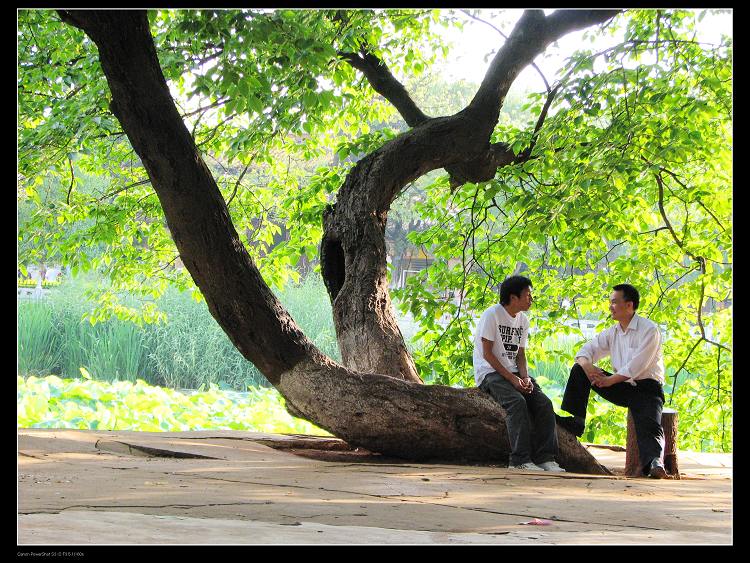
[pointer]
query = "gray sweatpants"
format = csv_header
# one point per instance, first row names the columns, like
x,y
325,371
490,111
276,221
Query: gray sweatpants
x,y
530,421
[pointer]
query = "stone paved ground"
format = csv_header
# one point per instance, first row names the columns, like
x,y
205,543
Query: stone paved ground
x,y
79,487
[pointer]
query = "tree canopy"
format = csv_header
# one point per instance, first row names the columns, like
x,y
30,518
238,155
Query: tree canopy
x,y
620,171
261,91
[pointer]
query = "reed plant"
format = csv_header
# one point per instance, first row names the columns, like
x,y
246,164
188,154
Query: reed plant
x,y
309,305
191,351
116,351
76,343
39,342
553,357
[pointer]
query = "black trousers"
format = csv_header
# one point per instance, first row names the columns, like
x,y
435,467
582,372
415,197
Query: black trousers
x,y
645,400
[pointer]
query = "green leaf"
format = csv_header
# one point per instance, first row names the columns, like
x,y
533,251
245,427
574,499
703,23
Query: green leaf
x,y
255,104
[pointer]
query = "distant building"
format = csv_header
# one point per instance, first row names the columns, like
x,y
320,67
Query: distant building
x,y
52,273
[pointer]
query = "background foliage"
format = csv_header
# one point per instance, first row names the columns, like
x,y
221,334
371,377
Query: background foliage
x,y
189,351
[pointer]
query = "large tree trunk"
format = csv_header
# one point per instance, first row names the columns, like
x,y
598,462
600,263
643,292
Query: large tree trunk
x,y
353,250
353,260
410,420
379,412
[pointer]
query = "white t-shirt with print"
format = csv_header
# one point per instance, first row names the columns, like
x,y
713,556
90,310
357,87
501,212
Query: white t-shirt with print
x,y
507,333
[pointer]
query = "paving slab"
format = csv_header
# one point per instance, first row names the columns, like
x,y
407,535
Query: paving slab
x,y
81,487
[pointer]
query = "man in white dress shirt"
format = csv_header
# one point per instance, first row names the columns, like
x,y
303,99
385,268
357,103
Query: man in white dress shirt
x,y
634,344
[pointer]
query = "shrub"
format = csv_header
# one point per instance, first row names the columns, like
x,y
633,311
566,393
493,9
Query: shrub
x,y
53,402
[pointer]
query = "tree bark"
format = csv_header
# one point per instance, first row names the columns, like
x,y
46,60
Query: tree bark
x,y
669,420
378,412
633,466
412,421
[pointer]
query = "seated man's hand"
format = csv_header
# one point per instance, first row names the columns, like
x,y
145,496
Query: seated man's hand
x,y
523,385
594,373
603,381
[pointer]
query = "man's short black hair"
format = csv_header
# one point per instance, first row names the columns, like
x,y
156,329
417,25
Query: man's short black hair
x,y
629,293
513,285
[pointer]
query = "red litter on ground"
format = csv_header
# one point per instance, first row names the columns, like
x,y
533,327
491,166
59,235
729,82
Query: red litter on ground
x,y
537,522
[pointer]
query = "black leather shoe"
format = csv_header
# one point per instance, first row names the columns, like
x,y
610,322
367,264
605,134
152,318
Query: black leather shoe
x,y
571,425
656,470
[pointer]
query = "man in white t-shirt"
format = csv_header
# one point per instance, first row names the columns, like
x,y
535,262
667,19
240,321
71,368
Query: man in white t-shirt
x,y
634,346
500,370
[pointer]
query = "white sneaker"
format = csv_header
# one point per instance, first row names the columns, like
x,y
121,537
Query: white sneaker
x,y
551,466
528,466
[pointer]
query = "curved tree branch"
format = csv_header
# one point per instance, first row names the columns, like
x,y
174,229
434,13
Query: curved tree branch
x,y
662,211
525,155
384,83
529,38
72,180
484,167
703,338
684,362
699,202
237,185
539,71
460,143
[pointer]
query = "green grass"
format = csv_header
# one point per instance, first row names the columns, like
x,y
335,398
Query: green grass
x,y
310,307
553,358
191,351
